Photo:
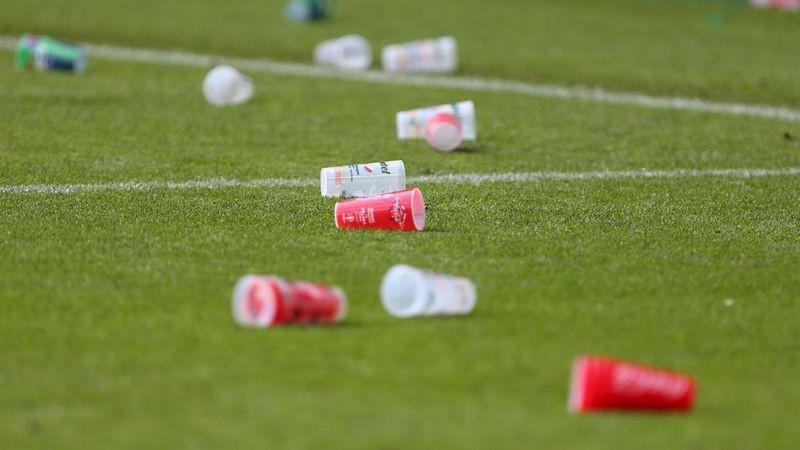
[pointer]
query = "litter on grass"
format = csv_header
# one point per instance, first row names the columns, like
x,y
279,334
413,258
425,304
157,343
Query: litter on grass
x,y
264,301
412,124
224,85
363,180
438,55
306,10
407,292
396,211
44,53
351,52
599,383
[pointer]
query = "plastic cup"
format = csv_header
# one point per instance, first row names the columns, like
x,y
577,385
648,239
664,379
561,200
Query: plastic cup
x,y
412,124
264,301
600,383
786,5
443,132
306,10
363,180
408,292
438,55
224,85
351,52
396,211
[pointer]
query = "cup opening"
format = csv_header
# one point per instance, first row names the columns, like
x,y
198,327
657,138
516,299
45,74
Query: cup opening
x,y
242,89
577,389
336,215
401,293
254,302
323,182
354,53
418,209
341,313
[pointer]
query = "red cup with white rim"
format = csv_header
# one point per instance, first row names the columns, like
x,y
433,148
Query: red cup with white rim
x,y
599,383
264,301
395,211
443,132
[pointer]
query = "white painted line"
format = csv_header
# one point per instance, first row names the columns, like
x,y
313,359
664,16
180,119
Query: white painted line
x,y
456,178
582,93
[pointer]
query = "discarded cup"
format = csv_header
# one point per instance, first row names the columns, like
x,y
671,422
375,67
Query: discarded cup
x,y
412,124
263,301
600,383
443,132
351,52
363,180
402,210
785,5
44,53
407,292
306,10
430,55
224,85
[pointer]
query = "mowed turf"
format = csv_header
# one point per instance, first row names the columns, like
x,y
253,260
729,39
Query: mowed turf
x,y
115,327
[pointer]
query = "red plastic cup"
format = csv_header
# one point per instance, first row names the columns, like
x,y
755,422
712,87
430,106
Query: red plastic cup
x,y
600,383
401,210
443,132
264,301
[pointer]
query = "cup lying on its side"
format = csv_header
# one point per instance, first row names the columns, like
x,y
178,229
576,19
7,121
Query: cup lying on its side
x,y
351,52
224,85
599,383
407,291
395,211
438,55
264,301
411,124
363,180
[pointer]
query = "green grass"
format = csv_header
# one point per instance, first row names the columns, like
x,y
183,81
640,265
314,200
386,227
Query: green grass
x,y
115,329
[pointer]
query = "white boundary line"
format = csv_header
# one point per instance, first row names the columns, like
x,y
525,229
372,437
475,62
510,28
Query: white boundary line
x,y
581,93
464,178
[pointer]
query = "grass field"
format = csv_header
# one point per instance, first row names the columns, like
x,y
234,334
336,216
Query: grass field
x,y
115,326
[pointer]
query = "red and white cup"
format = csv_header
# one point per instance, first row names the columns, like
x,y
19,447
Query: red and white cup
x,y
264,301
395,211
599,383
443,132
786,5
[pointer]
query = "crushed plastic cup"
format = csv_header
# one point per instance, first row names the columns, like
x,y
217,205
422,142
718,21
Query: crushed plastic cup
x,y
407,292
363,180
224,85
438,55
412,124
599,383
396,211
351,52
443,132
44,53
264,301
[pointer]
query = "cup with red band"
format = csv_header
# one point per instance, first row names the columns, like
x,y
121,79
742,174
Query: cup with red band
x,y
396,211
264,301
599,383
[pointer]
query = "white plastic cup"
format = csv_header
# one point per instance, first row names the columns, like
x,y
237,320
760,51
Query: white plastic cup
x,y
438,55
351,52
411,124
224,85
363,180
407,292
